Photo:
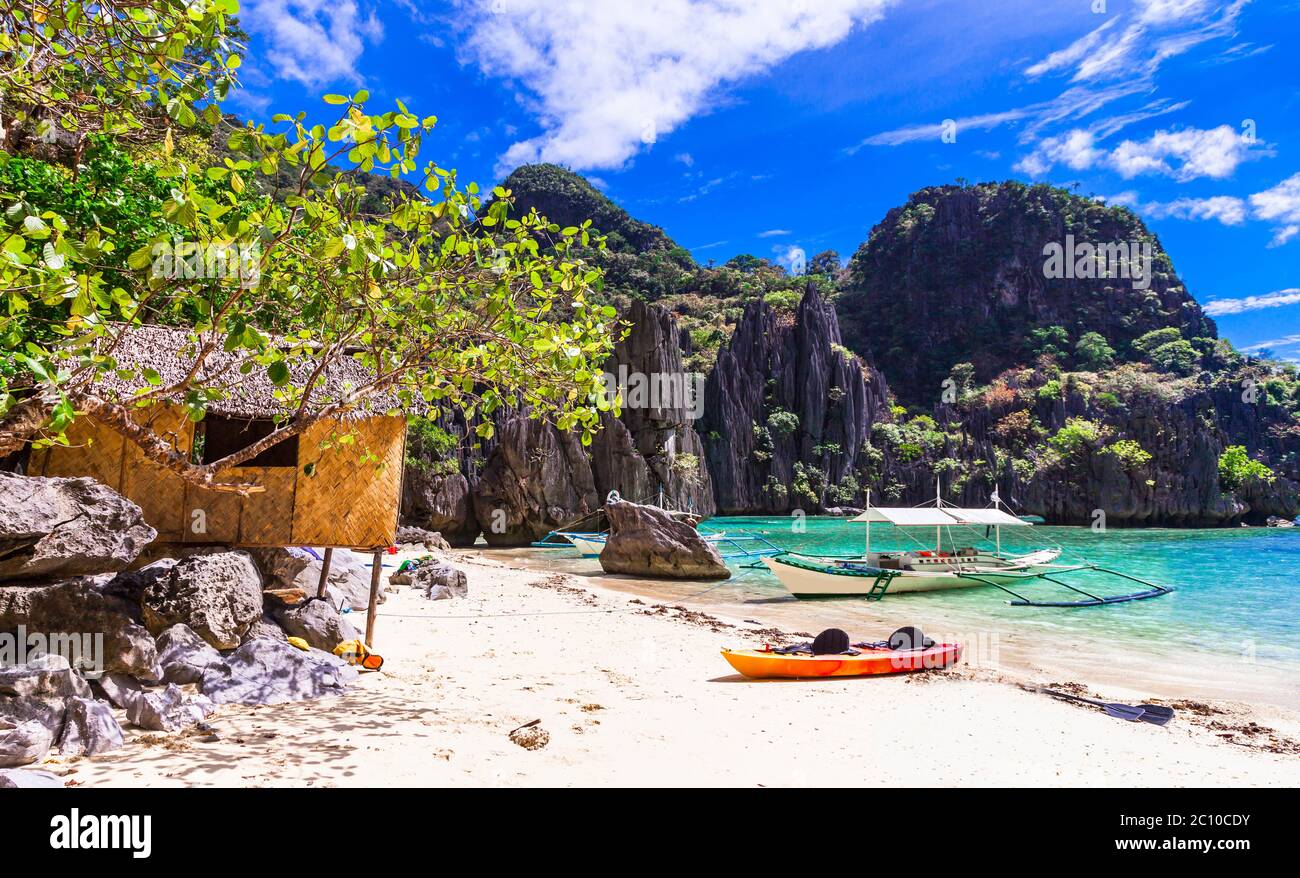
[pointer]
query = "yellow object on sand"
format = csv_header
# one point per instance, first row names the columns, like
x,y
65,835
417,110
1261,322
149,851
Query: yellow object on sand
x,y
355,652
300,643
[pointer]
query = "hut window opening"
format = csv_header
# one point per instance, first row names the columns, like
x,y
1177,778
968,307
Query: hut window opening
x,y
216,437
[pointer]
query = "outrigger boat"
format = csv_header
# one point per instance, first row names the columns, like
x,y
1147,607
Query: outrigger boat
x,y
872,574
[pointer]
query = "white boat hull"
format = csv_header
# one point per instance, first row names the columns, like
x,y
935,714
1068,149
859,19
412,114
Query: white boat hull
x,y
802,582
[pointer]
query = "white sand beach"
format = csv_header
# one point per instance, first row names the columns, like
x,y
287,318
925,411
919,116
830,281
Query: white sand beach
x,y
630,693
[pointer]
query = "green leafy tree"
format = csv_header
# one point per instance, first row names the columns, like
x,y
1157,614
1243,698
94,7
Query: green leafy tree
x,y
1093,353
1176,357
442,300
1236,468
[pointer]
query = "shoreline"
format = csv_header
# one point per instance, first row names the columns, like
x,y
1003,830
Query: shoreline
x,y
1140,668
629,690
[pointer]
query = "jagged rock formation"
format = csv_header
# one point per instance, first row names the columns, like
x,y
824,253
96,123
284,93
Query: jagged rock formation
x,y
957,275
535,480
442,503
788,412
652,447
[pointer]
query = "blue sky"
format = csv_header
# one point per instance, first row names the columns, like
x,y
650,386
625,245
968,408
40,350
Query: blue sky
x,y
762,126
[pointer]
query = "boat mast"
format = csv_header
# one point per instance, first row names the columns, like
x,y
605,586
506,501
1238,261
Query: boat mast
x,y
867,554
938,528
997,528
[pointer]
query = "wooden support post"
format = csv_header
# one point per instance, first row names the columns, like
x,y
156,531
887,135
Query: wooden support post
x,y
376,570
325,571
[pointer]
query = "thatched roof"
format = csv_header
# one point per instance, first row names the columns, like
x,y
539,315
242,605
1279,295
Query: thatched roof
x,y
171,353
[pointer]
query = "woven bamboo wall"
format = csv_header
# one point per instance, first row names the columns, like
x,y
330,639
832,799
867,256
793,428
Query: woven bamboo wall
x,y
344,502
353,501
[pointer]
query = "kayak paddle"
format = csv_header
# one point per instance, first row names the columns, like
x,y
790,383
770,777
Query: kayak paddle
x,y
1155,714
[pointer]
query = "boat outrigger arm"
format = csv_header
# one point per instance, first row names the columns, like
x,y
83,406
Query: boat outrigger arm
x,y
1089,599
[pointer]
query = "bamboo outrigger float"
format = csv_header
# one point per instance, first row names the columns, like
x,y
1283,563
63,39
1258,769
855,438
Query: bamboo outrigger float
x,y
873,574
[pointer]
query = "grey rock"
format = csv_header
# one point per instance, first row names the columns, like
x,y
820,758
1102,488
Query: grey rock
x,y
265,627
535,480
57,528
49,712
440,503
168,710
418,536
45,677
316,622
801,368
348,583
23,743
184,655
269,672
647,541
218,596
118,690
440,581
24,779
83,607
89,729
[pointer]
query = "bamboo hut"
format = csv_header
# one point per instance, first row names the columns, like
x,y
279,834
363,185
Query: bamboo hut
x,y
338,483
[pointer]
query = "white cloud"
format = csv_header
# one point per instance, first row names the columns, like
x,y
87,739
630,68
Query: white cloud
x,y
1280,205
1285,341
685,158
1185,154
611,78
313,41
1219,307
1073,103
1227,209
774,233
1152,33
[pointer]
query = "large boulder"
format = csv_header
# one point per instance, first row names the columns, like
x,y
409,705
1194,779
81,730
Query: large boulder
x,y
47,711
89,729
22,743
266,671
58,528
348,583
647,541
21,779
440,503
218,596
184,656
88,609
168,710
316,622
48,676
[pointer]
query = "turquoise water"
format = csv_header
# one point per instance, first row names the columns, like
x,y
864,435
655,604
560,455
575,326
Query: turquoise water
x,y
1238,590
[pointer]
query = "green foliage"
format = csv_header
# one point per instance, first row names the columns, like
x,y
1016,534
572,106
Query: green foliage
x,y
1236,468
1078,436
809,482
133,70
1051,340
783,422
1093,353
1176,357
429,447
1148,342
444,300
1129,452
1051,390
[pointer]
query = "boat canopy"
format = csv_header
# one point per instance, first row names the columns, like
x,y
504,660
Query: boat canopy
x,y
933,516
908,516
